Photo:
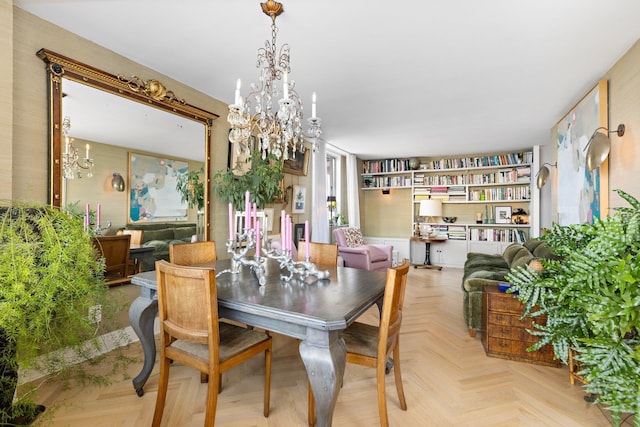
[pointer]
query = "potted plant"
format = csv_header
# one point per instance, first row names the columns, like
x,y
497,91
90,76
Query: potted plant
x,y
262,180
191,188
591,298
49,279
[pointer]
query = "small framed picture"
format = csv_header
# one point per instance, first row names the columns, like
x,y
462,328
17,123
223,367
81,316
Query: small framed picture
x,y
299,199
503,214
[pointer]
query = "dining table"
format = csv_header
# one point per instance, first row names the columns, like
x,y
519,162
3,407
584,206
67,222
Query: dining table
x,y
315,311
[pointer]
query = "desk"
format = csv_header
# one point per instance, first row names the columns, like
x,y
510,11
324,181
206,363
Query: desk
x,y
427,260
315,313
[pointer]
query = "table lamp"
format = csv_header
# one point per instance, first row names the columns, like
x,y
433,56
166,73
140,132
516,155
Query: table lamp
x,y
430,208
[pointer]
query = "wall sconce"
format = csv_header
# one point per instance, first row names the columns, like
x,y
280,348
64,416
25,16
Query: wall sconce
x,y
386,191
117,182
598,147
543,174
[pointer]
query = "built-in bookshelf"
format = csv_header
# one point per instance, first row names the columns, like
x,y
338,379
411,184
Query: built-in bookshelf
x,y
475,189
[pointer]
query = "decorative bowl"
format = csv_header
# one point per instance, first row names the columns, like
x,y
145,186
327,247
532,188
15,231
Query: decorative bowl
x,y
449,219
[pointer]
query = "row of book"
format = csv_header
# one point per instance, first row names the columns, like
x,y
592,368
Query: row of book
x,y
502,176
497,235
370,181
524,157
387,165
500,193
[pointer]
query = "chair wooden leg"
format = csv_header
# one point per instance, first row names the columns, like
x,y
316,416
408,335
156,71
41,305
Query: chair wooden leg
x,y
382,397
212,402
472,333
311,411
267,382
398,377
163,383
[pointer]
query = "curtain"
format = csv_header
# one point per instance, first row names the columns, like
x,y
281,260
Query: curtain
x,y
319,217
353,201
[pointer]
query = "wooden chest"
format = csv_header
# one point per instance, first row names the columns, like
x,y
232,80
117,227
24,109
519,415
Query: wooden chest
x,y
505,335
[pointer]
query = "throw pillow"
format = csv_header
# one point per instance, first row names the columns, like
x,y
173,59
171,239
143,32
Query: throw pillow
x,y
354,237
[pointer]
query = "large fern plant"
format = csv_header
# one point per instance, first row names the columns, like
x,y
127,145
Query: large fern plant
x,y
591,298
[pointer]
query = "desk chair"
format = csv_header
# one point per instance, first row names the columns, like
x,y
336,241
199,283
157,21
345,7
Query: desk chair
x,y
372,346
190,334
115,251
192,253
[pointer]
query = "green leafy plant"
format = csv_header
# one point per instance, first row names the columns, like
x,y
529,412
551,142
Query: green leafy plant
x,y
191,188
591,298
49,278
262,180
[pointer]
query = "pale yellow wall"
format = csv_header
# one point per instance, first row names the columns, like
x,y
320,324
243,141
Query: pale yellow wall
x,y
29,130
385,215
6,101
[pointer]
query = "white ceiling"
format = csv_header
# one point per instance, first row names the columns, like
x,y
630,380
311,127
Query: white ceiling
x,y
401,78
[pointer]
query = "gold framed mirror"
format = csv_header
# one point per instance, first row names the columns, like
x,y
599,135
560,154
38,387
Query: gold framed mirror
x,y
63,73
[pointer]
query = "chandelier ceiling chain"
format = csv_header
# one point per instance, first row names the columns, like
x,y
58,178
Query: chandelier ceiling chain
x,y
277,127
71,166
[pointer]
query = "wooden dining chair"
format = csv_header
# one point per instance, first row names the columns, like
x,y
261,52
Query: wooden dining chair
x,y
192,253
372,346
319,253
190,334
136,239
115,251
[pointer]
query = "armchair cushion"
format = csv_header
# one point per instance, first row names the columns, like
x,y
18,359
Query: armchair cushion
x,y
353,237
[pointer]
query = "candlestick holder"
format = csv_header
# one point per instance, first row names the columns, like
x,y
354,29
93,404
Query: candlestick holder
x,y
303,269
97,230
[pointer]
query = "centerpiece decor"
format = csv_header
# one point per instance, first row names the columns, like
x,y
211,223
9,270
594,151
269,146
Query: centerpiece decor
x,y
251,237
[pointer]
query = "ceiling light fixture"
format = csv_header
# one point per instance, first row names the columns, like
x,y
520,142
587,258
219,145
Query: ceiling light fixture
x,y
279,130
543,174
71,166
598,146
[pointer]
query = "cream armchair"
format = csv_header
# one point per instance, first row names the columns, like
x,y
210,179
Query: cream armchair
x,y
357,254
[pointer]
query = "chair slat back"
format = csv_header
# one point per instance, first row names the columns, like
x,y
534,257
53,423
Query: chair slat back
x,y
391,317
136,236
319,253
192,253
115,251
187,302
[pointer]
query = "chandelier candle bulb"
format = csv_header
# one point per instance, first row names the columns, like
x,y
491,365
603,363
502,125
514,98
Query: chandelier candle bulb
x,y
313,105
238,100
87,147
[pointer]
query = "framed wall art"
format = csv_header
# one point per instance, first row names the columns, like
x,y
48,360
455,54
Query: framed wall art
x,y
298,164
299,199
153,195
582,195
503,214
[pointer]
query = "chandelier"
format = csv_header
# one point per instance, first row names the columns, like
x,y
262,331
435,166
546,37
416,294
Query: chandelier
x,y
278,128
71,166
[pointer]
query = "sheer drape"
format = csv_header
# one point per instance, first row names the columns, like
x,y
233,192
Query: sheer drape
x,y
353,201
319,217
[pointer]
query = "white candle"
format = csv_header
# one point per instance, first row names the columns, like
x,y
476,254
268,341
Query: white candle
x,y
313,105
257,239
247,211
231,233
285,86
87,147
306,238
98,215
238,100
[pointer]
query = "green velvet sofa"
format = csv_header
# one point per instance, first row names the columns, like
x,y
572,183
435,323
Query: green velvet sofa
x,y
161,235
482,270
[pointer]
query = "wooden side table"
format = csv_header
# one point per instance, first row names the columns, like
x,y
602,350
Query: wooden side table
x,y
427,256
505,335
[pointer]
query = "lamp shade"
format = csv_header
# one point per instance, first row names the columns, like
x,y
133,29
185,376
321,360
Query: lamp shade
x,y
430,208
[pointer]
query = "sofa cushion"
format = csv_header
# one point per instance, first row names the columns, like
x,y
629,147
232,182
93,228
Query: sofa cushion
x,y
184,233
354,237
521,261
162,234
512,251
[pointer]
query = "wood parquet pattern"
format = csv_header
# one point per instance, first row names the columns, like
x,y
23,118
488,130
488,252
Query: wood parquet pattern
x,y
448,381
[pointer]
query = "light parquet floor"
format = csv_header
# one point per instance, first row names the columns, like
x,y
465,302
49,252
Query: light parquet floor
x,y
448,381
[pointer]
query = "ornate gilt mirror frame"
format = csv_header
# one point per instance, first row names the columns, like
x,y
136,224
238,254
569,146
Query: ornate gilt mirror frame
x,y
151,92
